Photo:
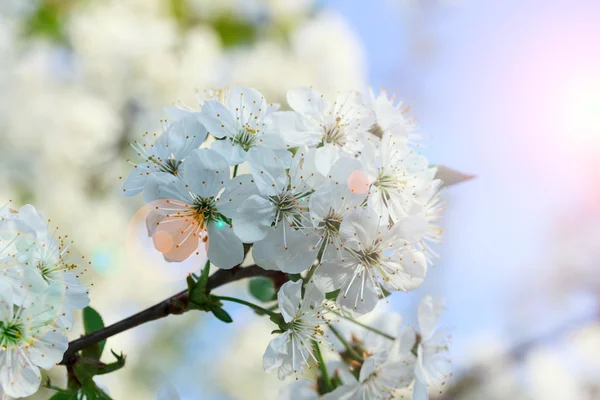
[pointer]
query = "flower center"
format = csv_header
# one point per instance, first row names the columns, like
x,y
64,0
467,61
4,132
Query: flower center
x,y
387,181
289,206
46,269
205,210
369,257
171,166
331,224
334,133
11,333
246,138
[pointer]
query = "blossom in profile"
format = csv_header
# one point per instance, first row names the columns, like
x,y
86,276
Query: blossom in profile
x,y
292,350
432,367
165,153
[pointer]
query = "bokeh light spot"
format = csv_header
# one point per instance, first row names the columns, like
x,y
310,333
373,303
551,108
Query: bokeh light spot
x,y
358,182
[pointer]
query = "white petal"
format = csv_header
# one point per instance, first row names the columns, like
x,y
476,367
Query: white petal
x,y
262,251
296,130
225,249
249,105
20,378
289,299
233,153
429,314
183,136
236,192
358,296
325,157
410,269
361,226
308,102
206,172
420,391
49,349
277,348
253,220
217,119
268,171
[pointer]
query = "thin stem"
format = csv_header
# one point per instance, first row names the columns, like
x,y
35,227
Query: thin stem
x,y
345,343
323,368
253,306
235,170
366,326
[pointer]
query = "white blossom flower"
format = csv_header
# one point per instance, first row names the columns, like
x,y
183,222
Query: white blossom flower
x,y
166,153
29,340
381,374
373,255
195,206
290,351
245,124
391,118
396,173
45,262
274,217
334,127
433,360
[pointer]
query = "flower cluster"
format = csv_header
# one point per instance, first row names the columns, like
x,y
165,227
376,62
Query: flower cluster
x,y
333,190
39,290
384,359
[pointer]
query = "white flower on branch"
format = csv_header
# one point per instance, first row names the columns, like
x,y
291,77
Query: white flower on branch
x,y
195,207
293,349
166,153
29,338
244,123
333,127
373,258
433,360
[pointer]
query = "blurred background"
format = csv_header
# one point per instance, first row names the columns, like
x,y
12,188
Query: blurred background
x,y
506,90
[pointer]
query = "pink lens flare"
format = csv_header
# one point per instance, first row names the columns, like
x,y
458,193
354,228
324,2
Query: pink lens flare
x,y
155,245
177,229
358,182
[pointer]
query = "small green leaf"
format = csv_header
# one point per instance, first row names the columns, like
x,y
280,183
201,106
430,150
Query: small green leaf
x,y
221,314
112,367
332,295
191,283
262,289
278,320
199,298
92,321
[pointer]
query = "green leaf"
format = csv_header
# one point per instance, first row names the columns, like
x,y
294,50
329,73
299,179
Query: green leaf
x,y
64,395
221,314
112,367
262,289
279,321
199,298
92,321
332,295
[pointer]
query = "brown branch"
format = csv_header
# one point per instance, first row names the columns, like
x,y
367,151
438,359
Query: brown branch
x,y
176,304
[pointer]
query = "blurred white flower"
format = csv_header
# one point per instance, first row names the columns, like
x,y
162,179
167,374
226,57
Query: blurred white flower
x,y
432,366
